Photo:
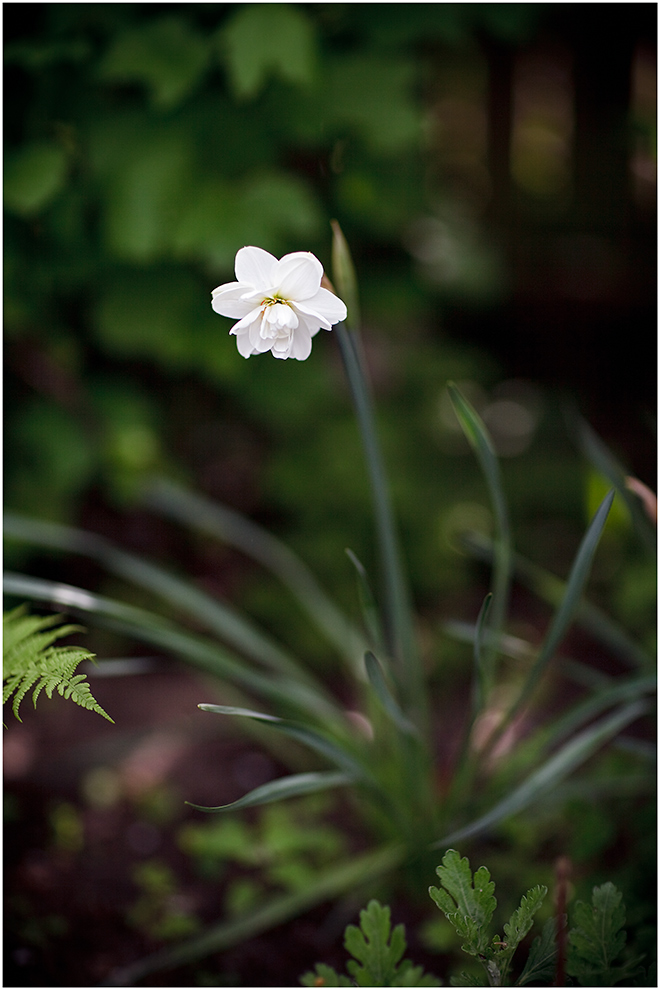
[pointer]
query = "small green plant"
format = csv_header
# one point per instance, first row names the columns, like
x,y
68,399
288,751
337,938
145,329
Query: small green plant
x,y
31,661
598,940
366,724
468,902
377,952
160,911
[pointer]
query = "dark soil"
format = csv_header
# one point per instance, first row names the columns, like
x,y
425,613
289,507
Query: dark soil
x,y
70,876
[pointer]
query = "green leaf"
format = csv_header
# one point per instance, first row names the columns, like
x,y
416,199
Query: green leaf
x,y
376,947
30,661
384,695
264,40
166,54
468,902
304,734
598,938
372,96
235,529
377,952
554,770
283,788
345,277
466,980
577,579
156,630
518,926
478,437
606,463
540,963
178,593
33,175
397,606
480,674
325,976
369,608
552,590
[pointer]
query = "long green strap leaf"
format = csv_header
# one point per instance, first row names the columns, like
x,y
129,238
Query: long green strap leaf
x,y
231,527
480,683
309,737
477,435
293,785
151,628
384,695
554,770
216,616
342,877
552,590
369,608
602,458
577,579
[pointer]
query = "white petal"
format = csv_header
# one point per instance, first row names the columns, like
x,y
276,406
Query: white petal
x,y
245,348
227,300
280,315
298,275
310,323
247,320
302,344
254,332
255,267
326,306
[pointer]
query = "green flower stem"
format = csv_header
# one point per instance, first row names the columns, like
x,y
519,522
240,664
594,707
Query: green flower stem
x,y
398,617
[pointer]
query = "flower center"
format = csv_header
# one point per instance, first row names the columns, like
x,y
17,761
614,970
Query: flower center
x,y
277,317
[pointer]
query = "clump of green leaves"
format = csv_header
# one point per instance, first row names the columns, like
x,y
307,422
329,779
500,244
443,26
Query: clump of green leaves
x,y
377,952
31,661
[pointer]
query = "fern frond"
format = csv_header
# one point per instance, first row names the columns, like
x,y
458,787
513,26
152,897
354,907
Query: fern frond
x,y
31,661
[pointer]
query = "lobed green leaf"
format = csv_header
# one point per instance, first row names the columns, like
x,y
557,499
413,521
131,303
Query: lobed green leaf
x,y
468,902
598,938
540,963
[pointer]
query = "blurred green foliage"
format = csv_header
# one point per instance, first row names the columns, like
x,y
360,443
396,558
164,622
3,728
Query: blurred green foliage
x,y
144,146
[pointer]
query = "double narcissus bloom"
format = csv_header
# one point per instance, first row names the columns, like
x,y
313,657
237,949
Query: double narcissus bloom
x,y
279,305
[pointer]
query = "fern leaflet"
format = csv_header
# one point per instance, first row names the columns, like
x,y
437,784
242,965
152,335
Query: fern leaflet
x,y
30,661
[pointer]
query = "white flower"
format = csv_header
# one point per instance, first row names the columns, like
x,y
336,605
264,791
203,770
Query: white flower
x,y
280,305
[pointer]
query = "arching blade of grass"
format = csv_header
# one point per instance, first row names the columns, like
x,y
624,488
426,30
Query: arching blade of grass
x,y
627,690
226,622
384,696
572,755
546,739
577,579
284,787
368,605
552,590
154,629
478,437
341,878
479,681
320,743
231,527
602,458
